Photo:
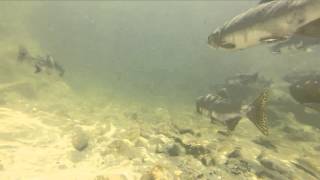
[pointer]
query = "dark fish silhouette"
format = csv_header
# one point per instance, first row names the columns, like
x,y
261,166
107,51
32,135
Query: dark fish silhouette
x,y
46,64
40,63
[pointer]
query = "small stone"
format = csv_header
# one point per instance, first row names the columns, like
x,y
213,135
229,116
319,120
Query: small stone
x,y
237,167
224,133
125,148
270,174
80,140
134,116
317,148
160,148
175,150
62,166
308,167
111,177
177,173
3,101
265,143
235,153
196,150
157,173
142,142
274,165
208,161
295,134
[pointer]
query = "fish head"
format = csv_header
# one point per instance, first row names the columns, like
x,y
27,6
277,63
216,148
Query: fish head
x,y
217,40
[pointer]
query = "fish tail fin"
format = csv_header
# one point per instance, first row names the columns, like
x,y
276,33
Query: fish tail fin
x,y
257,113
198,105
232,122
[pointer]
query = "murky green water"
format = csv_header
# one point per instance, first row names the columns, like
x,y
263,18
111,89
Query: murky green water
x,y
125,107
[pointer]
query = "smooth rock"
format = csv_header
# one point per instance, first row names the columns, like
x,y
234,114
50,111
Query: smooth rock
x,y
296,134
175,150
275,165
142,142
236,153
208,160
157,173
80,140
265,143
237,167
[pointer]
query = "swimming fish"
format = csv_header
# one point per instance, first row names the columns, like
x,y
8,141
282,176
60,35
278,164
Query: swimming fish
x,y
222,111
269,22
47,64
40,63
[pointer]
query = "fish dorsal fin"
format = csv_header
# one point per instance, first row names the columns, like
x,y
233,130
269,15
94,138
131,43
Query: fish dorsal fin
x,y
257,113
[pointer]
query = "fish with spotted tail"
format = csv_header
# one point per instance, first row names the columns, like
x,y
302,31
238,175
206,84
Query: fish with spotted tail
x,y
223,111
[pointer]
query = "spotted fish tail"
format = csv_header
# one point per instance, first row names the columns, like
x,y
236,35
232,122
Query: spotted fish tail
x,y
257,113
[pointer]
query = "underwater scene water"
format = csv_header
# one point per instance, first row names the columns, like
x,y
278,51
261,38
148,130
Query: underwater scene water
x,y
160,90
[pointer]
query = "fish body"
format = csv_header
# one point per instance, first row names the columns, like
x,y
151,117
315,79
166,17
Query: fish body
x,y
269,22
40,63
221,110
312,29
48,64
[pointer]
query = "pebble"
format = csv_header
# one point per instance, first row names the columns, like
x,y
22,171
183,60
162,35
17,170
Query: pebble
x,y
175,150
235,153
208,161
142,142
295,134
237,167
317,148
265,143
275,165
80,140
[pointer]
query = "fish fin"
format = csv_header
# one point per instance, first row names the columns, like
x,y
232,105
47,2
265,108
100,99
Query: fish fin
x,y
38,69
257,113
232,122
198,105
228,45
273,39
